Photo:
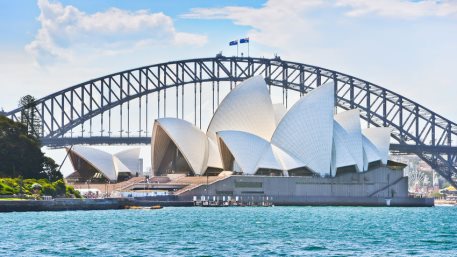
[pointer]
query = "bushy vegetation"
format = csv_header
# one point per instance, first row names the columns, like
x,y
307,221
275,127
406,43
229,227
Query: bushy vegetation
x,y
24,169
21,155
437,195
11,186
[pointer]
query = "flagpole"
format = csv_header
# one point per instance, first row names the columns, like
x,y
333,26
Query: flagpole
x,y
237,50
248,47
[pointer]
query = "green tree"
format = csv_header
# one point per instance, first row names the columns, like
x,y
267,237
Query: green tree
x,y
21,155
50,170
29,115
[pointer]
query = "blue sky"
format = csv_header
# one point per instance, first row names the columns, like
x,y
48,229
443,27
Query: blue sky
x,y
409,47
24,15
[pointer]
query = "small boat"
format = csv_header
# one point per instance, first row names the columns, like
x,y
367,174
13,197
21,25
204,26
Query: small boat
x,y
134,207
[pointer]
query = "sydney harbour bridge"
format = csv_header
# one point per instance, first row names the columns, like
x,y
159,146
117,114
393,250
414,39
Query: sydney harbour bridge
x,y
120,108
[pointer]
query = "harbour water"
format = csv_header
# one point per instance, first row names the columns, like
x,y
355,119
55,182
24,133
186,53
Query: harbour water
x,y
232,231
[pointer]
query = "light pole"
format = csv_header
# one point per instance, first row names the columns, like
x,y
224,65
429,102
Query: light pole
x,y
207,189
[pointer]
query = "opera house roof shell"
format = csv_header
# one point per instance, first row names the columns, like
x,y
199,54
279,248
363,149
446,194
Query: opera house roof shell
x,y
248,134
91,163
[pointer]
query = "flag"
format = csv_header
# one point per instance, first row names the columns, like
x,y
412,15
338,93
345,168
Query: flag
x,y
233,43
244,40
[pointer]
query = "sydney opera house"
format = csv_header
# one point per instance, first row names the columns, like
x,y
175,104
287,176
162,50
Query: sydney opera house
x,y
254,148
249,135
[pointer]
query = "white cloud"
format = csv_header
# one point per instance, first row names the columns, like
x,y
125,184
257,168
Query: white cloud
x,y
277,11
293,23
66,32
400,8
268,22
394,50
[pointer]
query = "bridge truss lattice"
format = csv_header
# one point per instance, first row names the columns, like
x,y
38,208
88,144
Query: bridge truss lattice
x,y
119,108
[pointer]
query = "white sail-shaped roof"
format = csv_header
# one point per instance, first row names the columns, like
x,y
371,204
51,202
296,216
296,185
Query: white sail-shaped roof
x,y
100,160
380,137
306,131
280,110
246,148
268,160
352,139
130,158
190,141
276,158
370,153
120,166
341,154
247,133
214,158
251,153
246,108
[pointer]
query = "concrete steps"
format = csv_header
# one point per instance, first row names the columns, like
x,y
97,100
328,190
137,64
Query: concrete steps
x,y
124,185
198,182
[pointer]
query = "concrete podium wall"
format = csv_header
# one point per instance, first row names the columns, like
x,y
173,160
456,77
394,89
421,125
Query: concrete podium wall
x,y
382,182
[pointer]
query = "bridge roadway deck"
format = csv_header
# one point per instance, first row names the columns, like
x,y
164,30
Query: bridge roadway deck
x,y
67,141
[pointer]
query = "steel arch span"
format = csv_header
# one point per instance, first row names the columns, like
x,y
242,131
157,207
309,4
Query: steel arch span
x,y
416,129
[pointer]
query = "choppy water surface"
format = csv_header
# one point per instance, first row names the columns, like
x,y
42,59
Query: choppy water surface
x,y
232,231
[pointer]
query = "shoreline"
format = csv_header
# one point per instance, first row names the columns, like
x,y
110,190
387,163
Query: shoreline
x,y
440,202
123,203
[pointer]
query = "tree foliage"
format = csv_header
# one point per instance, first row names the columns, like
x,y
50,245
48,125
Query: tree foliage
x,y
21,155
51,169
29,116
